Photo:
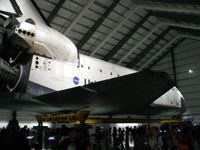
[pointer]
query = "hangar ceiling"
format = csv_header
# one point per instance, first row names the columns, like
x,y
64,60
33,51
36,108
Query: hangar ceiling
x,y
130,33
137,34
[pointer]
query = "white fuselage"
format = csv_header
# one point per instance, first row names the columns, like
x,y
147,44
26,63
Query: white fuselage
x,y
58,75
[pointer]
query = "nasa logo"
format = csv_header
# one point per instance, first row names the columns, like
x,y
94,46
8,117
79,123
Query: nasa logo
x,y
76,80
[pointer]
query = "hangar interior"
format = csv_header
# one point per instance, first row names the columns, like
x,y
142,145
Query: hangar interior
x,y
160,35
157,35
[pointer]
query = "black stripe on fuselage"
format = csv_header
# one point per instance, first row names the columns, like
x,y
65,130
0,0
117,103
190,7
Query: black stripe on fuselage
x,y
37,90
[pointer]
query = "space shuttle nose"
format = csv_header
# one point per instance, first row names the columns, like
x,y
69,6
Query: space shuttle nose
x,y
183,106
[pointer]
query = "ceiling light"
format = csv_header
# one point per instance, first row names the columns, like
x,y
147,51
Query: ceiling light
x,y
190,71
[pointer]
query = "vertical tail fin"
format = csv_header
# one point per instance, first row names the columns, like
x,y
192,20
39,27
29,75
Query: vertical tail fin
x,y
16,8
21,9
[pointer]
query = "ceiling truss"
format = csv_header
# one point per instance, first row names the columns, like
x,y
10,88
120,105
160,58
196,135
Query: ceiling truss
x,y
169,19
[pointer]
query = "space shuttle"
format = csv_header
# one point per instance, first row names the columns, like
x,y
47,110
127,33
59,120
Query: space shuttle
x,y
42,71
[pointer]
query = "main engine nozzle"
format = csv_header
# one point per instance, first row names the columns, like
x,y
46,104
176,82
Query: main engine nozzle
x,y
10,22
9,76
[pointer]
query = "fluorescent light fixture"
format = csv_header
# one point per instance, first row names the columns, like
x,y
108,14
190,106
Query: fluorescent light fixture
x,y
124,125
28,124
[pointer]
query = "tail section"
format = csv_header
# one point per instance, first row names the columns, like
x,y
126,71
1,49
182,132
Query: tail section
x,y
22,9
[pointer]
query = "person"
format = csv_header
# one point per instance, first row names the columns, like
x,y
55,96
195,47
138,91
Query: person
x,y
155,141
25,131
178,141
187,136
98,136
13,139
114,137
72,142
141,142
119,141
64,135
197,137
134,132
148,133
119,130
85,144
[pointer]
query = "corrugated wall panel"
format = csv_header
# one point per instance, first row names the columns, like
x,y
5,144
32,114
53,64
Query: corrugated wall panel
x,y
164,65
190,88
187,60
191,103
186,45
192,111
188,81
191,95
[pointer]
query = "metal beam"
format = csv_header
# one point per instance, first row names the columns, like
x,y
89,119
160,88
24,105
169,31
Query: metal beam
x,y
120,23
174,66
55,11
16,7
96,25
186,30
193,2
125,39
40,12
174,39
172,9
157,8
82,118
178,17
153,30
14,114
147,49
78,17
122,120
155,62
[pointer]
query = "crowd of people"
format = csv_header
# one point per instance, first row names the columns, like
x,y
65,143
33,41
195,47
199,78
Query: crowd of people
x,y
167,137
183,136
14,138
68,138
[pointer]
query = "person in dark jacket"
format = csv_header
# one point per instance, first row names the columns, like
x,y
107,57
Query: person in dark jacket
x,y
141,142
13,139
84,141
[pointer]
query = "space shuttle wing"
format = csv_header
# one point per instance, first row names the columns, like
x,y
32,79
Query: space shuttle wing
x,y
24,102
140,81
67,101
134,91
137,89
75,98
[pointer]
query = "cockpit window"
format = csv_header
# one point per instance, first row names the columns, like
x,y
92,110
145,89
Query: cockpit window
x,y
29,20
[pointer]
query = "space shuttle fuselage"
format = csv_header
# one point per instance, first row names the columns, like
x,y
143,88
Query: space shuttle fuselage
x,y
56,63
39,60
